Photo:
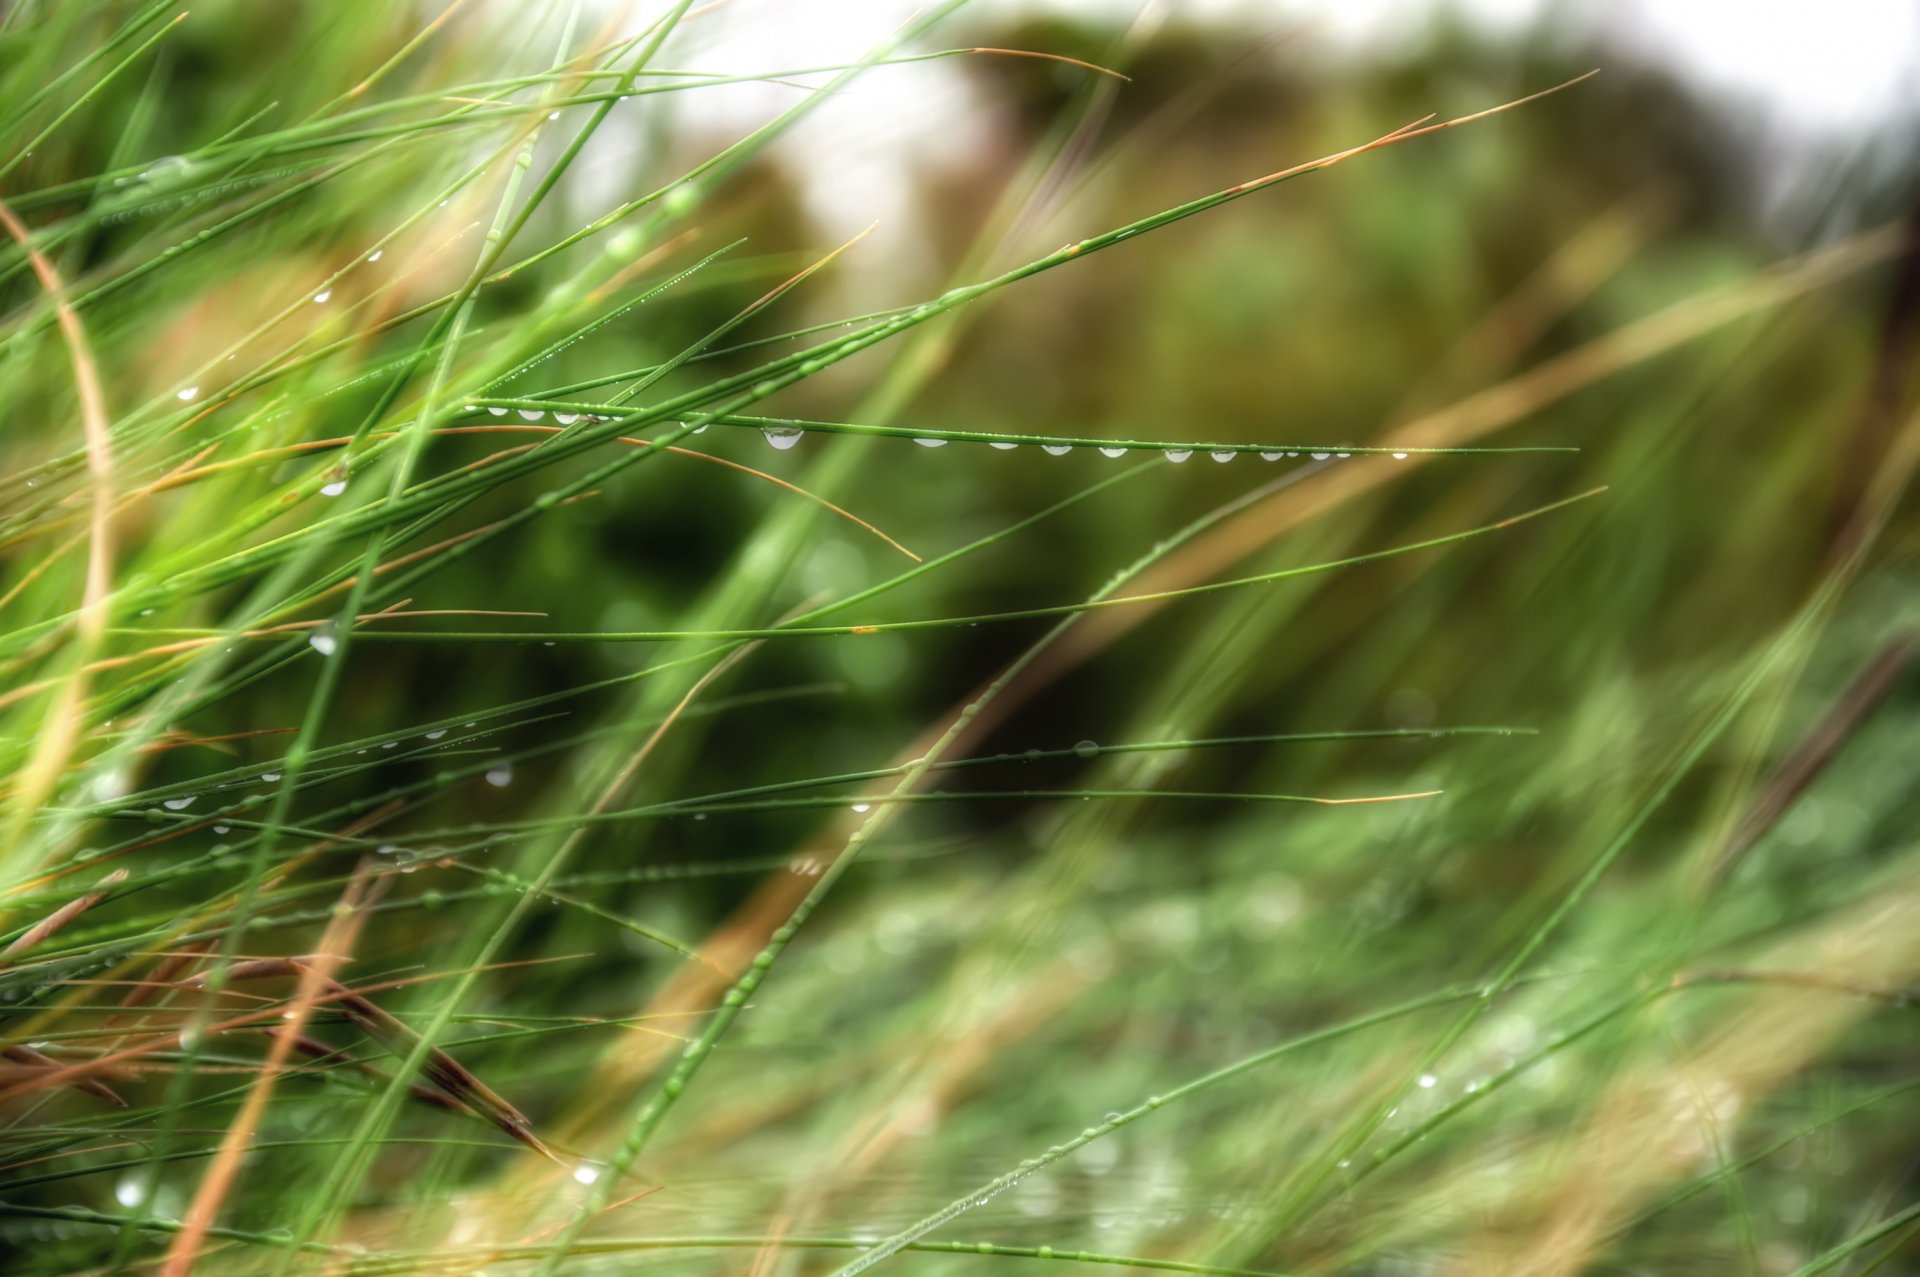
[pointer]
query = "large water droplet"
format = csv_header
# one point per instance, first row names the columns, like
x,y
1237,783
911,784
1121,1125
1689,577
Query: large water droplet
x,y
320,298
333,489
1399,456
498,412
782,439
188,395
1004,447
168,170
269,777
1087,749
130,1191
178,804
1272,456
500,776
566,418
1113,452
1056,449
376,254
531,415
1177,455
1319,456
325,642
863,807
931,443
1222,456
437,734
1427,1081
586,1173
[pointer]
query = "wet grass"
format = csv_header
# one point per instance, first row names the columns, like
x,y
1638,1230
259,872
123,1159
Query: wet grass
x,y
471,802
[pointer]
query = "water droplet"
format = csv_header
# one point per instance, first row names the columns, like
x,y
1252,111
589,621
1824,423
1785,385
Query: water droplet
x,y
219,829
437,734
167,170
501,776
566,418
1004,447
188,395
531,415
1427,1080
324,642
1056,449
586,1173
1177,455
178,804
1399,456
1272,456
862,807
269,777
1319,456
498,412
782,439
1223,456
1113,452
1087,749
1341,456
376,254
554,115
130,1191
931,443
333,489
320,298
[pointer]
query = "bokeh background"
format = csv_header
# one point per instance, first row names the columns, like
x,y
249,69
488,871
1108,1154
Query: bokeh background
x,y
1694,271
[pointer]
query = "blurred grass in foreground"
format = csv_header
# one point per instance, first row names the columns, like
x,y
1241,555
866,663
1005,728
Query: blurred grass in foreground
x,y
1615,976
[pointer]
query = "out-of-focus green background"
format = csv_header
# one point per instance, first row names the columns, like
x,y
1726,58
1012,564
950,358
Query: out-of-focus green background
x,y
1720,329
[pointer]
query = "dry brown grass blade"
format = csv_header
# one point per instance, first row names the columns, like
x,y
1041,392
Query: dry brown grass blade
x,y
1868,691
316,975
36,1061
49,758
441,1070
63,915
133,1056
326,1053
451,1078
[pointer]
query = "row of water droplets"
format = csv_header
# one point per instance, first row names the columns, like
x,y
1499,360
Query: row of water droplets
x,y
783,438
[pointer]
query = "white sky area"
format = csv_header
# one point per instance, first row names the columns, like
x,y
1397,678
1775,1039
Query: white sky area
x,y
1799,74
